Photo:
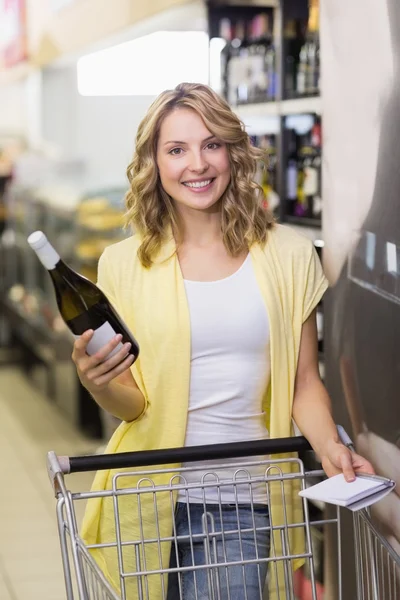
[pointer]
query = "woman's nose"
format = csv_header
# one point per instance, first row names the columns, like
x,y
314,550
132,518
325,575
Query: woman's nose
x,y
198,162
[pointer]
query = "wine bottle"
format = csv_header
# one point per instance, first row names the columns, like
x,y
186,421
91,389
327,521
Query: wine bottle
x,y
235,70
291,173
270,60
302,70
292,47
262,62
304,170
81,303
225,33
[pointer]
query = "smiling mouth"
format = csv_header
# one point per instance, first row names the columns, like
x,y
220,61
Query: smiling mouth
x,y
196,185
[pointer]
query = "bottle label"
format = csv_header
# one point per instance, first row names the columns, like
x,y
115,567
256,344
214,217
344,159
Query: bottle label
x,y
301,82
102,335
311,181
291,182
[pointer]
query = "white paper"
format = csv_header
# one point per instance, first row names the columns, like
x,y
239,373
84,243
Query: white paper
x,y
354,495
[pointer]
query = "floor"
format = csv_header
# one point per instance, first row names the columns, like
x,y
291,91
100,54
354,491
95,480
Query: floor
x,y
30,561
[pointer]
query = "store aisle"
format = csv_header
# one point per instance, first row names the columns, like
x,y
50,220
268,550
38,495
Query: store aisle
x,y
30,561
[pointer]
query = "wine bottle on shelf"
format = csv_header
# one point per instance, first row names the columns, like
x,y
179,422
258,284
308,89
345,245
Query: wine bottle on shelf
x,y
316,144
268,176
270,62
81,303
310,183
291,174
226,33
273,197
304,166
313,68
263,57
302,70
237,65
257,76
308,70
243,65
291,52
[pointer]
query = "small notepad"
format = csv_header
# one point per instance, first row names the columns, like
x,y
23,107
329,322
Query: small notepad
x,y
357,494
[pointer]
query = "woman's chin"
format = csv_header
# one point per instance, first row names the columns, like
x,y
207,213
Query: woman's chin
x,y
205,203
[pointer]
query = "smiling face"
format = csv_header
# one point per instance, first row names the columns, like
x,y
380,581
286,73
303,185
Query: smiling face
x,y
193,164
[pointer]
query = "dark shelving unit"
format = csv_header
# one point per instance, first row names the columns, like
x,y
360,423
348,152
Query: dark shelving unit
x,y
270,117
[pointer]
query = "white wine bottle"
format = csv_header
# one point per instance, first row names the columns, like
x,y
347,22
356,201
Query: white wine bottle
x,y
81,303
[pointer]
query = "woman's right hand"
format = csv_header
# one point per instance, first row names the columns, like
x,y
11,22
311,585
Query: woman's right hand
x,y
94,372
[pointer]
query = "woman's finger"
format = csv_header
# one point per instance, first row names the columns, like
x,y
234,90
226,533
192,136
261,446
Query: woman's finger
x,y
80,345
105,378
101,355
362,465
346,464
85,363
108,365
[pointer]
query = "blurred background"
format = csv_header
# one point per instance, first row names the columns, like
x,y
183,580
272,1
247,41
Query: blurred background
x,y
316,83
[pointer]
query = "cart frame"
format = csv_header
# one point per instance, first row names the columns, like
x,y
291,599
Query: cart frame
x,y
378,565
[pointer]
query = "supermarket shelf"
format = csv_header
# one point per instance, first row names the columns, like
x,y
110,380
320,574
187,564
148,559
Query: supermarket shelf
x,y
297,106
294,106
264,109
304,222
264,118
260,119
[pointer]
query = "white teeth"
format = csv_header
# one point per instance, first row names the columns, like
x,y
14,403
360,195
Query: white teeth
x,y
198,184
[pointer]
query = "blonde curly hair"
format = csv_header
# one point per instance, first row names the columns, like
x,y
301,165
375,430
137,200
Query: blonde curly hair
x,y
150,210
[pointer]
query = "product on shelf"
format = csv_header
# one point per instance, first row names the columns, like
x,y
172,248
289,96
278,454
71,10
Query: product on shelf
x,y
91,249
303,173
267,175
99,213
308,67
248,61
291,174
98,223
260,44
291,53
101,222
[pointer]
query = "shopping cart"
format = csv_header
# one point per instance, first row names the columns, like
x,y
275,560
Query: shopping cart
x,y
240,468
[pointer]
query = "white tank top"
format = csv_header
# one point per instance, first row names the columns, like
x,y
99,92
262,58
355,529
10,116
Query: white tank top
x,y
230,371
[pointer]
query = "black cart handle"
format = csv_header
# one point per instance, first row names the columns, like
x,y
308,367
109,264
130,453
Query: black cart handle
x,y
145,458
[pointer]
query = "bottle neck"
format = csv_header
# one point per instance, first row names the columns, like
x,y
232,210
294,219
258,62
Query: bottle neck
x,y
48,256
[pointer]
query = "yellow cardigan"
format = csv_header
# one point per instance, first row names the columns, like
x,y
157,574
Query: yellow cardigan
x,y
153,304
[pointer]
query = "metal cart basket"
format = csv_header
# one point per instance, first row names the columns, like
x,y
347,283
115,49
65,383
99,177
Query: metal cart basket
x,y
240,469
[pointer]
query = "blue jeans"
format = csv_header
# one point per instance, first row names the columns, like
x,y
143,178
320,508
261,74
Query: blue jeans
x,y
246,538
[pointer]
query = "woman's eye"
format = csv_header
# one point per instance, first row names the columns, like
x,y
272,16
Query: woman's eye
x,y
175,151
213,145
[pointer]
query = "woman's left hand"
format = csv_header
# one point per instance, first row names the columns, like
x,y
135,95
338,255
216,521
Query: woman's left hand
x,y
336,458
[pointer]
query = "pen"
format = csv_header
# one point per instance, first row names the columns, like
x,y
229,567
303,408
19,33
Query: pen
x,y
346,440
375,478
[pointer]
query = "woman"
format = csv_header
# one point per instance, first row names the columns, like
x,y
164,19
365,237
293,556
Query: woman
x,y
222,301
